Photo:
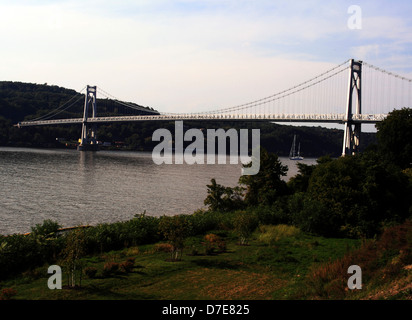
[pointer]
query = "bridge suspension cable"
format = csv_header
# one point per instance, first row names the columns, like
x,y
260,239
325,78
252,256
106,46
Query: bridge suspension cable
x,y
126,104
60,109
384,91
282,94
323,98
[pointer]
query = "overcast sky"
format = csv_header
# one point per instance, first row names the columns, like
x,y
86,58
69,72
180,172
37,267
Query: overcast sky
x,y
187,55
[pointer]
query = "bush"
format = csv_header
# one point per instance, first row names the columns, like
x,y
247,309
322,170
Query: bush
x,y
127,266
379,259
213,242
175,229
352,197
110,268
316,217
140,230
203,221
7,293
48,228
270,234
275,214
163,247
19,253
90,272
244,223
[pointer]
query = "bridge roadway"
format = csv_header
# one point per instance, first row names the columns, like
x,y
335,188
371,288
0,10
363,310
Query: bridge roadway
x,y
331,118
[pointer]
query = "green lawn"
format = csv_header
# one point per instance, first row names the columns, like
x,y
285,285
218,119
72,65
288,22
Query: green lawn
x,y
256,271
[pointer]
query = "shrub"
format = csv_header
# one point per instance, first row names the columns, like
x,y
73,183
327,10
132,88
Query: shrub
x,y
244,223
270,234
175,229
213,242
72,254
274,214
352,196
7,293
163,247
378,259
141,229
127,266
110,268
90,272
47,228
19,253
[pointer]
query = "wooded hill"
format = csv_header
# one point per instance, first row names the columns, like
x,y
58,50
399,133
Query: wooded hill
x,y
26,101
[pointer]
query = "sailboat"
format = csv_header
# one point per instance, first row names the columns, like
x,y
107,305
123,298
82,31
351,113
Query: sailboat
x,y
293,155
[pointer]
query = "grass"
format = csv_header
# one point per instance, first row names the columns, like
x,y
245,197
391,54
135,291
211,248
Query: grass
x,y
255,271
292,265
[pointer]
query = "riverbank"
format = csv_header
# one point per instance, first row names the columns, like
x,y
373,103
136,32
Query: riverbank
x,y
293,265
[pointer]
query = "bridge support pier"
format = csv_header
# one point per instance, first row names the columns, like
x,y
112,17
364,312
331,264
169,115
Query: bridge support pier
x,y
353,128
88,140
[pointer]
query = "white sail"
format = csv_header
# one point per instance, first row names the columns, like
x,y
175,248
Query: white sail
x,y
292,154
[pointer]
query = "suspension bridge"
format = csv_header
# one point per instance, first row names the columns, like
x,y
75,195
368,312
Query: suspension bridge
x,y
352,93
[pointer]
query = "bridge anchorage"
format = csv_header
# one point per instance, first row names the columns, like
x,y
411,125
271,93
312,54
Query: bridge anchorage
x,y
88,140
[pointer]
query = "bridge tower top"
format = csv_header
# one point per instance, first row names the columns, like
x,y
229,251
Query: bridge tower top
x,y
353,130
88,138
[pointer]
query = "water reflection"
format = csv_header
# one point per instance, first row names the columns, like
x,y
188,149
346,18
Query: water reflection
x,y
75,188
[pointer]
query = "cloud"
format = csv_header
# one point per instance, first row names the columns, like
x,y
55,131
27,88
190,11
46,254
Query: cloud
x,y
187,55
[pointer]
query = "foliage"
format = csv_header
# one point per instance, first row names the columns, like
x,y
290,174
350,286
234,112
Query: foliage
x,y
276,213
7,293
141,229
270,234
300,182
72,254
395,138
163,247
110,269
351,197
378,260
175,229
48,228
127,266
244,224
267,185
213,243
19,253
90,272
220,198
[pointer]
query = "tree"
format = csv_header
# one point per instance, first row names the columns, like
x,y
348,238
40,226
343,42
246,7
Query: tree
x,y
48,228
175,229
72,254
395,137
300,182
221,198
244,223
267,185
354,196
215,193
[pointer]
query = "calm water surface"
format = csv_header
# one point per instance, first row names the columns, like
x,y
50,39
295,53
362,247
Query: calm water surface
x,y
76,188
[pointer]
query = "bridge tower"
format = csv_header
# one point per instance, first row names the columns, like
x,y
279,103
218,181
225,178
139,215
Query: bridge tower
x,y
88,138
352,128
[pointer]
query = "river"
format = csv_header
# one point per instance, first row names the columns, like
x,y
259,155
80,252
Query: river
x,y
88,188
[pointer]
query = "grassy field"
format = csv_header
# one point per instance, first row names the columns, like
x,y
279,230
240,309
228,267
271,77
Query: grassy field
x,y
277,267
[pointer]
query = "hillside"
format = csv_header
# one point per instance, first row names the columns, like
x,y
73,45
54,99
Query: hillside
x,y
297,266
25,101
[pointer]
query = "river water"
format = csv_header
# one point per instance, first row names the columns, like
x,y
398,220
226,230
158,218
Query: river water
x,y
87,188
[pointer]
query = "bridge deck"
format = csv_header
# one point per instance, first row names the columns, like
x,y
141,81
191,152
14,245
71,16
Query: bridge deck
x,y
327,118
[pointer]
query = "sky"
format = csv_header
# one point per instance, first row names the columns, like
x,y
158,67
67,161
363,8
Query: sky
x,y
191,56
